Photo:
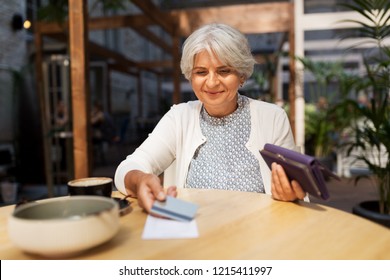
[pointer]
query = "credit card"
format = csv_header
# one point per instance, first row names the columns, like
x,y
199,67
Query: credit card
x,y
175,208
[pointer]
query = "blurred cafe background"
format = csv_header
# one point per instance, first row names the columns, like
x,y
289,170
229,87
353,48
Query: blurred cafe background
x,y
130,54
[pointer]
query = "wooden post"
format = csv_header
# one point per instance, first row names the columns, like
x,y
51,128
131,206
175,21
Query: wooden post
x,y
78,40
44,121
159,94
176,69
292,82
140,100
107,77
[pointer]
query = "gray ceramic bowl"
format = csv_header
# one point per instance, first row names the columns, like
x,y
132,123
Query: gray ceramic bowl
x,y
60,227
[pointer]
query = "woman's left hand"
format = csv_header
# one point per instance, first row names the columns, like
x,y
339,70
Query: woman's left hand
x,y
282,188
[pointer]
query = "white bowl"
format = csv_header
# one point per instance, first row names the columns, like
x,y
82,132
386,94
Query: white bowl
x,y
60,227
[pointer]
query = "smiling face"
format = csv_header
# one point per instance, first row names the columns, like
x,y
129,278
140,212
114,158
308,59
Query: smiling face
x,y
215,84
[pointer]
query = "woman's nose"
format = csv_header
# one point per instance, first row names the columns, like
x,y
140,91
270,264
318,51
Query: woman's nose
x,y
212,80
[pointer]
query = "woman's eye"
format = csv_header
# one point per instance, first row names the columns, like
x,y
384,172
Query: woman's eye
x,y
224,71
200,73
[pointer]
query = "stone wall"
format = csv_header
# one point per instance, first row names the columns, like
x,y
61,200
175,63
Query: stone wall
x,y
13,45
12,58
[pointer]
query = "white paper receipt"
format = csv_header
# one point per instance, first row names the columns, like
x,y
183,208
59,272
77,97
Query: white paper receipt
x,y
160,228
179,222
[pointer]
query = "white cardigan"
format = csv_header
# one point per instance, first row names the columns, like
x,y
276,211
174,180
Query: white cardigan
x,y
177,136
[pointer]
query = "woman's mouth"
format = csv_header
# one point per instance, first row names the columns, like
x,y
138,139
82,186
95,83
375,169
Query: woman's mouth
x,y
213,92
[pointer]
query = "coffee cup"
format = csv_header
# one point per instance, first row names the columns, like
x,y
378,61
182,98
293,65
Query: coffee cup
x,y
101,186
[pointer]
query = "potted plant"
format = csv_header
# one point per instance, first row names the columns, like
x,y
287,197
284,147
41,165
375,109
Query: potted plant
x,y
371,124
323,124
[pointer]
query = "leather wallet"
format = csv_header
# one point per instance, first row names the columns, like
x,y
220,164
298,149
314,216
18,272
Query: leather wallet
x,y
306,170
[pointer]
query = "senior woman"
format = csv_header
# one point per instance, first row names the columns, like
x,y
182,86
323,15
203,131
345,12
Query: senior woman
x,y
216,139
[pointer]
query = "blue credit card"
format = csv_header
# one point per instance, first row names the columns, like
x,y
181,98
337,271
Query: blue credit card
x,y
175,209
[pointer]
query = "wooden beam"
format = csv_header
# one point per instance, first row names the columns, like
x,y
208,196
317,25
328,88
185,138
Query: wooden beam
x,y
292,81
122,68
109,54
139,97
100,23
176,97
47,28
138,23
38,43
159,42
119,59
159,94
259,18
78,41
166,21
122,60
248,18
155,64
278,79
120,21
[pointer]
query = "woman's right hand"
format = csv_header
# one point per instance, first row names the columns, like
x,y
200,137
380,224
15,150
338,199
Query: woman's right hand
x,y
281,187
147,188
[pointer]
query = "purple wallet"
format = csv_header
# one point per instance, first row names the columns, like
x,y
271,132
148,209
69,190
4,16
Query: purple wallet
x,y
306,170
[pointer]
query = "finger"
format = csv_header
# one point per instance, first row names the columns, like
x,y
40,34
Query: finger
x,y
156,188
145,198
282,190
284,181
276,187
172,191
299,192
280,180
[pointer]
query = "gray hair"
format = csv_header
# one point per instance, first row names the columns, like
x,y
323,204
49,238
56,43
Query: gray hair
x,y
229,45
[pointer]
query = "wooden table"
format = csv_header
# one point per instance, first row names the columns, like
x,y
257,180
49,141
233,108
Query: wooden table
x,y
240,225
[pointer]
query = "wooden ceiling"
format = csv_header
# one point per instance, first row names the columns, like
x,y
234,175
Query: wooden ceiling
x,y
189,4
248,18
